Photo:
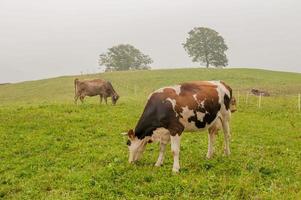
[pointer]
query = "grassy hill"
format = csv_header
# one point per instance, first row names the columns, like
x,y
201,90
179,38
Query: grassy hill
x,y
53,149
61,89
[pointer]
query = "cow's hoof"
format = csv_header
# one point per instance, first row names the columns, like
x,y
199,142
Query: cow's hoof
x,y
175,170
227,153
158,164
209,156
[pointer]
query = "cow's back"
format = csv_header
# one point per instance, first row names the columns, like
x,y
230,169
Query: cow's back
x,y
91,87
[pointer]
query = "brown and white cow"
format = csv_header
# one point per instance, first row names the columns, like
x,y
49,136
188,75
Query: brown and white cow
x,y
94,87
191,106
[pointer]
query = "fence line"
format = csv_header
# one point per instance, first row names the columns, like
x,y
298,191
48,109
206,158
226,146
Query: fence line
x,y
299,102
259,101
241,98
261,98
135,90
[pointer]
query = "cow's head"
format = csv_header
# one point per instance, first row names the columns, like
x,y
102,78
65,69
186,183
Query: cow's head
x,y
114,97
136,146
233,107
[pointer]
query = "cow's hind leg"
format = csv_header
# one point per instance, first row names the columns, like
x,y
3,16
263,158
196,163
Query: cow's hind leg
x,y
81,98
227,137
211,138
175,148
75,99
165,138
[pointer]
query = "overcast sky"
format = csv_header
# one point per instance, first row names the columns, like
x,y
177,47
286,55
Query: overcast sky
x,y
41,38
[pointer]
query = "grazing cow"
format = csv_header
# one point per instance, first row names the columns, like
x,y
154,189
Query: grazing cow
x,y
94,87
191,106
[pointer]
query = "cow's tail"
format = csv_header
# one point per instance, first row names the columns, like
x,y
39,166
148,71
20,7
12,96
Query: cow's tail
x,y
75,85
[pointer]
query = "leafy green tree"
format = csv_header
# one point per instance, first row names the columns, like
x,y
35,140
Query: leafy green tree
x,y
124,57
206,46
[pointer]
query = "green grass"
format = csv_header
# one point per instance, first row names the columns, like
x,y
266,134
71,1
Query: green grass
x,y
52,149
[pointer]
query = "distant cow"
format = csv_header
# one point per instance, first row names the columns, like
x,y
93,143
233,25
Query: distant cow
x,y
257,92
94,87
192,106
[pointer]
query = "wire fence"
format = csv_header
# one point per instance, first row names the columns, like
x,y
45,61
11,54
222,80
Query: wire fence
x,y
243,98
260,101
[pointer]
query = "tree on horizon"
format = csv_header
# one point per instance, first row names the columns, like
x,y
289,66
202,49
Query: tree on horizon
x,y
124,57
206,46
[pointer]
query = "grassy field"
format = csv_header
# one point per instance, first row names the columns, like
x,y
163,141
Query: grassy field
x,y
53,149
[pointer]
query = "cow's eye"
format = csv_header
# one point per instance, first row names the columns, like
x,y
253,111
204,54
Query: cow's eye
x,y
128,143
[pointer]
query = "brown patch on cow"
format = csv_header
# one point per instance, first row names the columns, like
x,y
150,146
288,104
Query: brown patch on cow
x,y
204,92
169,92
131,134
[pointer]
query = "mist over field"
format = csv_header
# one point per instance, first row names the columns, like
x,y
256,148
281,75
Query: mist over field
x,y
85,85
40,39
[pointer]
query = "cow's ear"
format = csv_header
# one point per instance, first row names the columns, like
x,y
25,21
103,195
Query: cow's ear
x,y
131,134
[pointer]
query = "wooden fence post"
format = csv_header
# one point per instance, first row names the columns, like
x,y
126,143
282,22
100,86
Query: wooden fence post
x,y
259,101
135,90
247,97
299,102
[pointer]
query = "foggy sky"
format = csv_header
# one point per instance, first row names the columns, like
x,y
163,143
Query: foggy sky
x,y
41,38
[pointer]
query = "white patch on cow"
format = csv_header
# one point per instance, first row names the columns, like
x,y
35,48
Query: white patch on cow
x,y
200,103
221,91
195,98
177,88
159,133
200,116
203,104
173,103
186,114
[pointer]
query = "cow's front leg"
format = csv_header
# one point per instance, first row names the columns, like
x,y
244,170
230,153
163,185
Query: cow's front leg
x,y
227,137
211,138
161,154
175,149
100,99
